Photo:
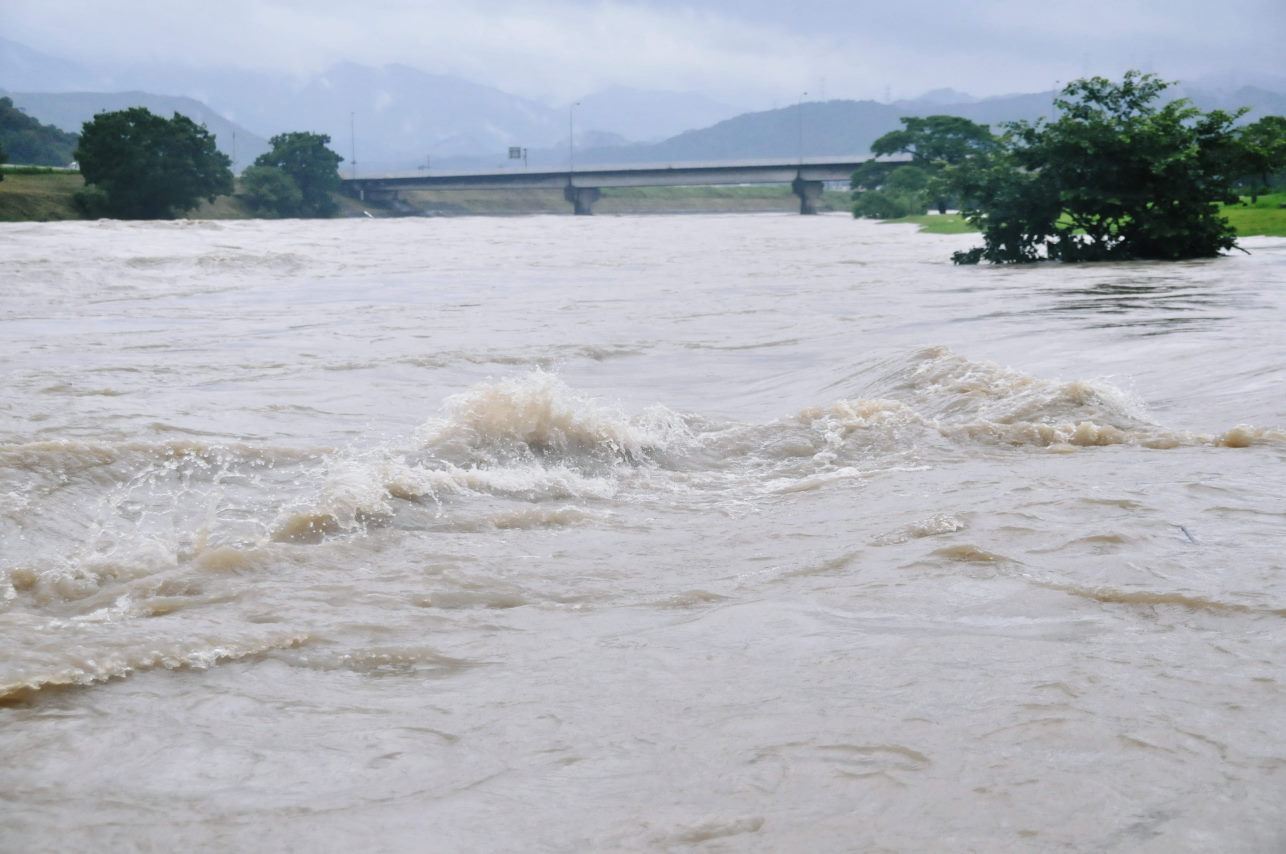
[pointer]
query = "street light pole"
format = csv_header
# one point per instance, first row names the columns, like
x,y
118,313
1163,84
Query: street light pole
x,y
800,109
571,137
352,141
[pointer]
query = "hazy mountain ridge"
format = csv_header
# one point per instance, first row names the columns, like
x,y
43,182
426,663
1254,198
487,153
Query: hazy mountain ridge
x,y
70,110
23,68
839,128
398,119
392,118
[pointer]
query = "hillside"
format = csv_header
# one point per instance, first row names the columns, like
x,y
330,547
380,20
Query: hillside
x,y
27,141
397,118
70,110
841,128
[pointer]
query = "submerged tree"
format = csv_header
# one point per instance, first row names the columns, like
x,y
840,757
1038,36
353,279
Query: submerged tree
x,y
1114,177
304,159
138,165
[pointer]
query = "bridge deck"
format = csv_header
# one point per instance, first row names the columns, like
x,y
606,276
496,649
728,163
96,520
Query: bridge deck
x,y
670,175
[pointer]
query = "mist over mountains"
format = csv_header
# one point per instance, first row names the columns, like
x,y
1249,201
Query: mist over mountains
x,y
397,118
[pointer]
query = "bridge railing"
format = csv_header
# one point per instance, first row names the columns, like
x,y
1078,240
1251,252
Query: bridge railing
x,y
581,186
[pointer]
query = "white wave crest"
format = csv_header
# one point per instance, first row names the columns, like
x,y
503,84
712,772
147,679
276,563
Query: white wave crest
x,y
538,415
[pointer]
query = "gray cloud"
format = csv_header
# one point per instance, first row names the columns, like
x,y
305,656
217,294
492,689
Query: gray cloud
x,y
751,50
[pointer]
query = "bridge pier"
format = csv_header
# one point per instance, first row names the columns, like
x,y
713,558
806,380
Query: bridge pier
x,y
373,192
810,194
582,199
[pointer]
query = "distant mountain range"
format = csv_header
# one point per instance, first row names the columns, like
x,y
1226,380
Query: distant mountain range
x,y
842,128
70,110
391,118
399,119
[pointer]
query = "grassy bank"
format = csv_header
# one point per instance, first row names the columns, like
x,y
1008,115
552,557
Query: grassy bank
x,y
45,195
619,200
727,199
42,195
935,223
38,196
1266,217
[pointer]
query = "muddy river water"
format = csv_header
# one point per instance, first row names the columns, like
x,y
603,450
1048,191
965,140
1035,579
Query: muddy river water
x,y
690,533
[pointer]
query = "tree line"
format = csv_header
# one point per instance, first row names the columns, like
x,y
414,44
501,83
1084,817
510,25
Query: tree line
x,y
1114,176
138,165
25,140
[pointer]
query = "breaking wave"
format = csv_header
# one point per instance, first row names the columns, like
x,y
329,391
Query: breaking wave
x,y
539,417
83,520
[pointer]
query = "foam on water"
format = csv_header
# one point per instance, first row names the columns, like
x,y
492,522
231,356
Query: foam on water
x,y
538,416
134,510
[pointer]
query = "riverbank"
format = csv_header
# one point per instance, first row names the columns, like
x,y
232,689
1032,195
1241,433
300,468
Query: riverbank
x,y
763,198
28,195
1266,217
46,196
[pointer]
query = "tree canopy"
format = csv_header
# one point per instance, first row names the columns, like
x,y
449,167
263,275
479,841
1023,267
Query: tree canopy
x,y
26,140
271,192
138,165
903,191
936,140
297,158
1260,152
889,189
1113,177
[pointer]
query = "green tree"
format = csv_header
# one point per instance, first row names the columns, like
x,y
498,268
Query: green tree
x,y
271,192
1113,177
1260,152
314,168
872,174
3,159
138,165
902,193
935,143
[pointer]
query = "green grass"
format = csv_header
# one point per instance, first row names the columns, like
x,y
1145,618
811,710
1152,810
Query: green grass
x,y
716,199
623,200
754,191
41,194
21,169
37,194
936,223
1266,216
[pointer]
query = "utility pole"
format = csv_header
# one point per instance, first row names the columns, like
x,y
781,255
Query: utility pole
x,y
352,141
571,137
799,108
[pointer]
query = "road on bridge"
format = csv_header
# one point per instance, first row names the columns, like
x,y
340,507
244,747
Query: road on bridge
x,y
582,187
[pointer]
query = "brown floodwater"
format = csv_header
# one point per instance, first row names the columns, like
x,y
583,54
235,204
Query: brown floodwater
x,y
693,533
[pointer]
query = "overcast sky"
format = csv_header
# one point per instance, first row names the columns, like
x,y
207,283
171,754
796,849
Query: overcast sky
x,y
751,51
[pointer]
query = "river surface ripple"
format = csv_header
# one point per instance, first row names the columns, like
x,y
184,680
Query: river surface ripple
x,y
736,533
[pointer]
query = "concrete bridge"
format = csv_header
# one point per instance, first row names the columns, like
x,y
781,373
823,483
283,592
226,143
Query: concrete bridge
x,y
583,187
